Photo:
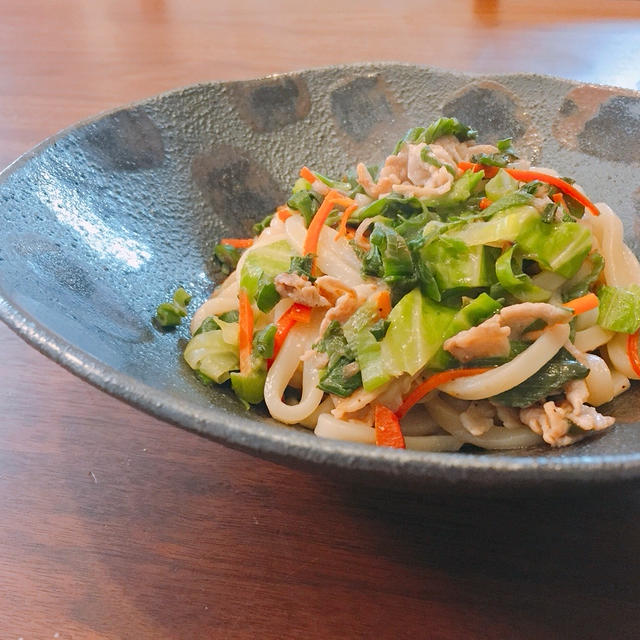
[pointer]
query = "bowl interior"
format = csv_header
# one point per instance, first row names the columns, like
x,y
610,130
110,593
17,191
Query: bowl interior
x,y
103,221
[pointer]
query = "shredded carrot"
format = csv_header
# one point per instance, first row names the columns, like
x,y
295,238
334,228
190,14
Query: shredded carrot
x,y
530,176
582,304
315,227
558,198
295,313
384,303
433,383
245,331
342,228
238,243
632,351
388,433
284,212
484,203
308,175
343,201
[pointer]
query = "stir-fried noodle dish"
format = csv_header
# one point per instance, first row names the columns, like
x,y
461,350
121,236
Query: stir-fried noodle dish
x,y
455,295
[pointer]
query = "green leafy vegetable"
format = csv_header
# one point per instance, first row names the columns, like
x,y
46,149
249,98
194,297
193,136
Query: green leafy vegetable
x,y
560,247
266,295
369,358
338,185
306,202
508,201
302,266
516,282
225,258
460,192
472,314
502,158
441,127
263,264
500,185
458,267
249,387
170,314
263,342
337,377
379,329
548,380
588,273
397,264
619,308
210,354
390,206
208,324
416,332
229,316
259,227
427,155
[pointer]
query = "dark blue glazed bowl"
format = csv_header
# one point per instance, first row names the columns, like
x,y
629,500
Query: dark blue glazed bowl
x,y
103,221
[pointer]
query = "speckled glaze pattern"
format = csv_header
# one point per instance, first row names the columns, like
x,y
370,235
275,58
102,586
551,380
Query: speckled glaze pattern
x,y
103,221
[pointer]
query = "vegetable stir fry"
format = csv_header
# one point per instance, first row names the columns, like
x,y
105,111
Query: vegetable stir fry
x,y
455,295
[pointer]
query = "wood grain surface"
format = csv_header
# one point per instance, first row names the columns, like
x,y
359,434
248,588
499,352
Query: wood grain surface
x,y
115,525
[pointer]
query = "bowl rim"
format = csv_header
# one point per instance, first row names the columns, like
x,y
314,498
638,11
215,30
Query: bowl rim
x,y
288,445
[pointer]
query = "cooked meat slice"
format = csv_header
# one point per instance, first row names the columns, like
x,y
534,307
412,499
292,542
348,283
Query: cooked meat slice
x,y
478,417
520,316
299,289
487,339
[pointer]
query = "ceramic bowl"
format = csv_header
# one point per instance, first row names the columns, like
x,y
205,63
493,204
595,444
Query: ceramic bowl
x,y
101,222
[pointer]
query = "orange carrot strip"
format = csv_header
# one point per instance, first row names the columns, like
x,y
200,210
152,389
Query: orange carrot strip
x,y
384,303
632,351
484,203
388,433
245,331
308,175
315,227
295,313
433,383
342,228
343,201
238,243
530,176
582,304
558,198
284,213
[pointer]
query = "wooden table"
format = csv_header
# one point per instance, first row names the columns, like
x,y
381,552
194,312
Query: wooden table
x,y
116,525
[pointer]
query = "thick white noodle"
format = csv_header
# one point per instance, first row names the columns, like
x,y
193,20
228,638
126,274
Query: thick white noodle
x,y
300,338
621,267
617,352
432,443
592,338
620,383
335,258
496,438
330,427
226,300
311,421
599,381
418,422
587,319
512,373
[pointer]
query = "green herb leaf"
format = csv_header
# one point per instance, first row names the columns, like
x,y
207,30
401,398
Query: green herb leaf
x,y
548,380
302,265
